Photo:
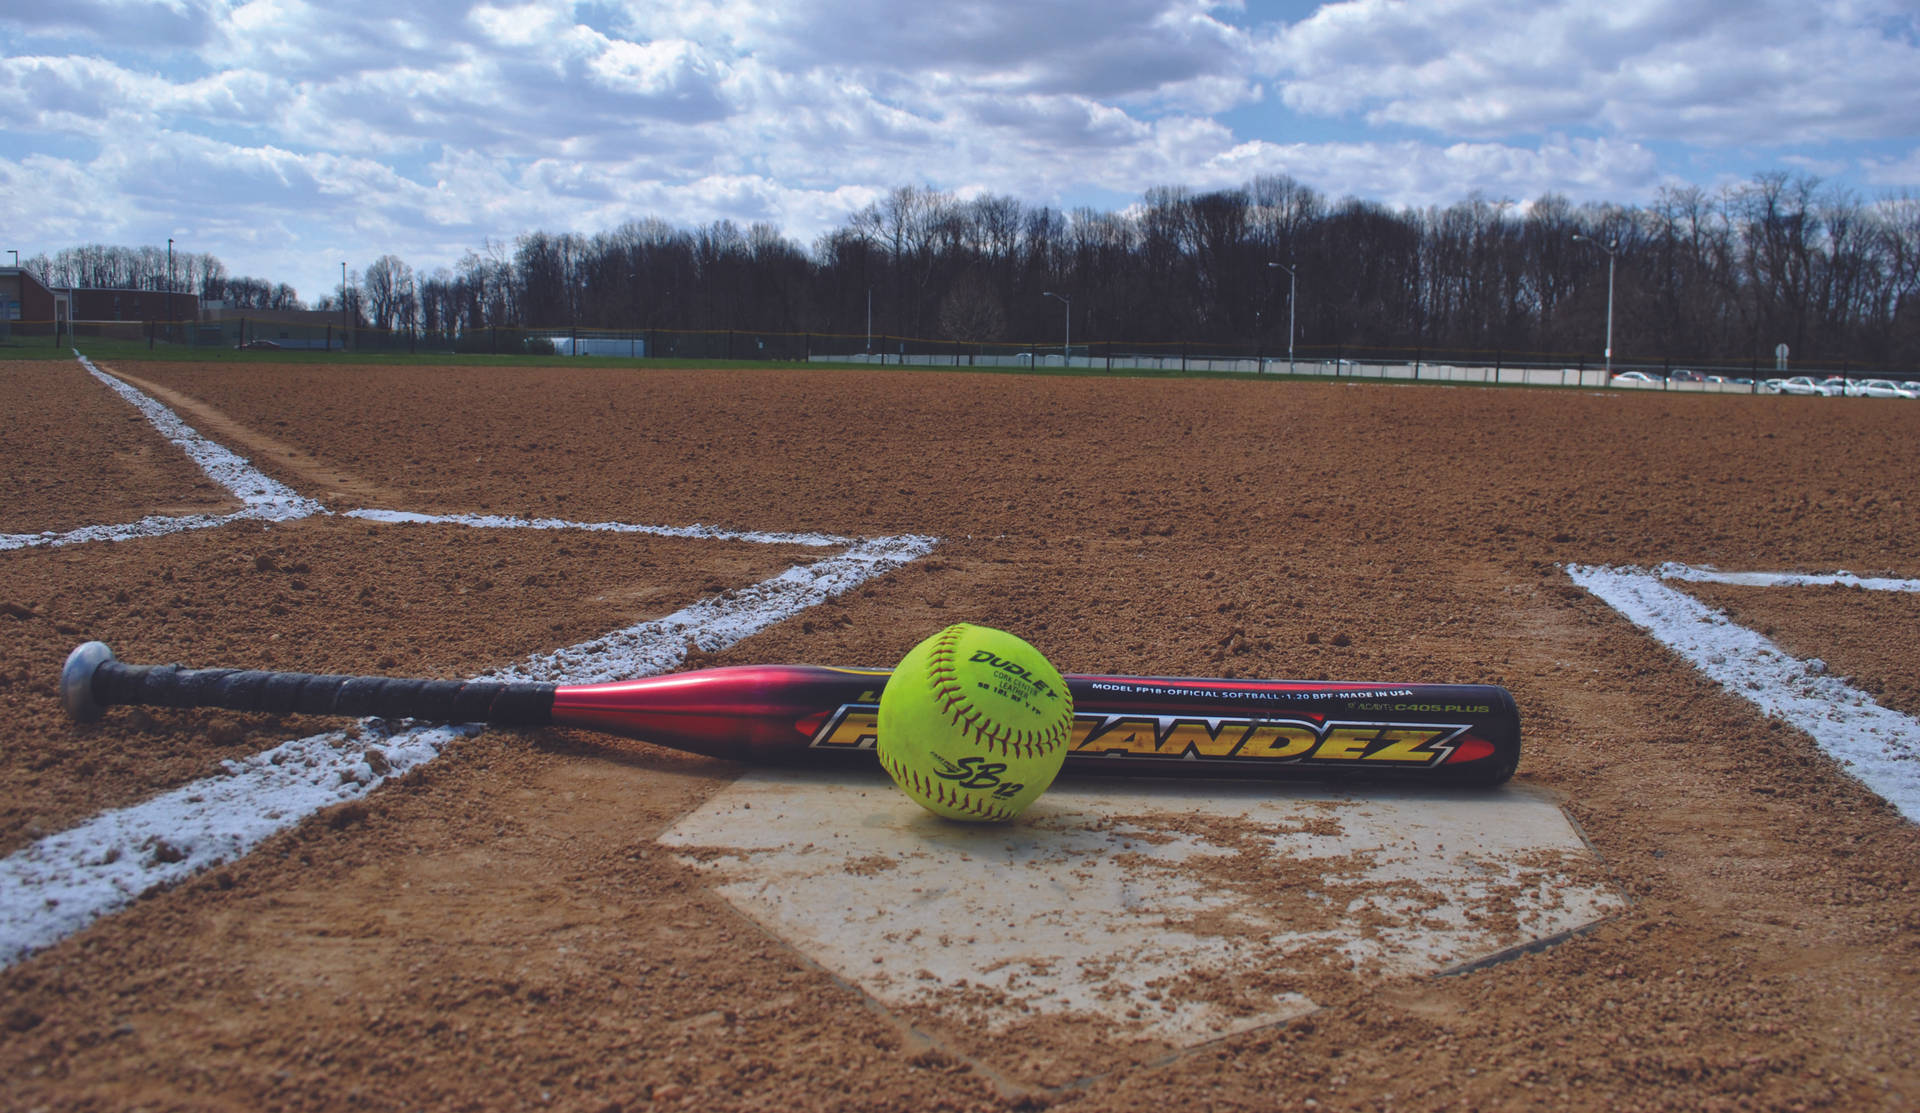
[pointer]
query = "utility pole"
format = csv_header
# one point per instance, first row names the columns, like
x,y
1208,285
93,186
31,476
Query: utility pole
x,y
169,283
1066,345
1611,247
1293,289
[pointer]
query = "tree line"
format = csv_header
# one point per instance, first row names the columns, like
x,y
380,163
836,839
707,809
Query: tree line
x,y
1696,276
104,267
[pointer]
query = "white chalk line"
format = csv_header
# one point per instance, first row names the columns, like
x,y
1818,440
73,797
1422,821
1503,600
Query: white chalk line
x,y
1878,746
266,499
1695,574
64,882
695,531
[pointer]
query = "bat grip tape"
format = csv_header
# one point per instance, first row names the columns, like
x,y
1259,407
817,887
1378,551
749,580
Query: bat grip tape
x,y
500,703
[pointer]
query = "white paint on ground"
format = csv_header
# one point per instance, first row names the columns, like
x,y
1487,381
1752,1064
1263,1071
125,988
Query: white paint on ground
x,y
1878,746
1695,574
266,499
1133,901
154,525
695,531
64,882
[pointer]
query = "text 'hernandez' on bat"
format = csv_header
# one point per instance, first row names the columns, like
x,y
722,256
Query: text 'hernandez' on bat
x,y
1460,734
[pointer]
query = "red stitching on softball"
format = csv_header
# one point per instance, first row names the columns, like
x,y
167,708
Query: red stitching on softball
x,y
1002,738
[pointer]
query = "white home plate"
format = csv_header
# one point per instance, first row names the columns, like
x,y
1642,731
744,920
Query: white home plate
x,y
1171,912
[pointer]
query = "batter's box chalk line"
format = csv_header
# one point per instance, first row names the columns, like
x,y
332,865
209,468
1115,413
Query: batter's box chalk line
x,y
64,882
1878,746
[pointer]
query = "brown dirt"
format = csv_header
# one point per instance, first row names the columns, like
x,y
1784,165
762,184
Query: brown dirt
x,y
500,929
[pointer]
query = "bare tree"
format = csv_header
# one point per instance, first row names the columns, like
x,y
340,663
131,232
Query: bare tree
x,y
389,292
971,312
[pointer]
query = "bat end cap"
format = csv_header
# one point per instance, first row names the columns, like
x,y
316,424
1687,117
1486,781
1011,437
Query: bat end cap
x,y
76,681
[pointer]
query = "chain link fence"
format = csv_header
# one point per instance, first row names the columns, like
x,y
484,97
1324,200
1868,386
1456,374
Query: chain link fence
x,y
1415,363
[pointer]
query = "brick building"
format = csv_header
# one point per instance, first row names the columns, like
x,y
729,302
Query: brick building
x,y
134,305
26,305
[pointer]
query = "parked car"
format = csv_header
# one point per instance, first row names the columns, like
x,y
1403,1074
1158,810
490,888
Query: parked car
x,y
1803,384
1875,388
1909,389
1835,387
1772,386
1682,375
1637,379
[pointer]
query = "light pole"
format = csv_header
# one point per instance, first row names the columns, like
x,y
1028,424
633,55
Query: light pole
x,y
169,284
1066,344
1611,247
1293,288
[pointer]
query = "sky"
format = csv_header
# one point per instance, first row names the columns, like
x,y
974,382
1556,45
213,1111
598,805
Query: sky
x,y
289,136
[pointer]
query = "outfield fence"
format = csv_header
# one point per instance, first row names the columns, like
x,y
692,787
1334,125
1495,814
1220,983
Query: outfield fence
x,y
1419,364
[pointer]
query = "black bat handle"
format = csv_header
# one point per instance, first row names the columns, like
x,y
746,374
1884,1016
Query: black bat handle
x,y
93,680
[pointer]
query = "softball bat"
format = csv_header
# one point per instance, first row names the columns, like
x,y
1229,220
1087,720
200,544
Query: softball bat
x,y
1453,734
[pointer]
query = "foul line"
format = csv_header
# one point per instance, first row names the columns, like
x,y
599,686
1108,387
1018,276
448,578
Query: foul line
x,y
1878,746
266,499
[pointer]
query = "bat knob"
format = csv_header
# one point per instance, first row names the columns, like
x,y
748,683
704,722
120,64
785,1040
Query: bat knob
x,y
76,681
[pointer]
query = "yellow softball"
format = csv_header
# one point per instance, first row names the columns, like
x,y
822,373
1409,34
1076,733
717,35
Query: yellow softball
x,y
974,724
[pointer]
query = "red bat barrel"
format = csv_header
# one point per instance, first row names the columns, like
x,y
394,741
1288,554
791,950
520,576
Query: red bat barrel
x,y
1127,725
1462,734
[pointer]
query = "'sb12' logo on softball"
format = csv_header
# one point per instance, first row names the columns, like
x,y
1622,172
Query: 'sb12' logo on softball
x,y
977,773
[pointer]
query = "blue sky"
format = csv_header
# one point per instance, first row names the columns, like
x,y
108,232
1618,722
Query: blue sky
x,y
287,136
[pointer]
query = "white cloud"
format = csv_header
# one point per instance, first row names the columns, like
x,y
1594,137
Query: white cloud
x,y
1902,172
59,200
1415,174
156,25
363,126
1770,72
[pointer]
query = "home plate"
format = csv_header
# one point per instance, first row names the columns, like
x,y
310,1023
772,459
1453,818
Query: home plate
x,y
1167,913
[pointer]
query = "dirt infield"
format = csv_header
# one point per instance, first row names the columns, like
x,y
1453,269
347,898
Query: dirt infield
x,y
500,929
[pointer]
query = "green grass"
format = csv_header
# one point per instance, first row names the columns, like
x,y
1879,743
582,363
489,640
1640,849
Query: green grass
x,y
33,347
39,348
130,350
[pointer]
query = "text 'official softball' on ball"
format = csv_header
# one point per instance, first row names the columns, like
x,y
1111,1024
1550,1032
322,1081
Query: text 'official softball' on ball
x,y
974,724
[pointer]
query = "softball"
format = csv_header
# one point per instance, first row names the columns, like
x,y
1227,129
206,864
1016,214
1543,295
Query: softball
x,y
974,724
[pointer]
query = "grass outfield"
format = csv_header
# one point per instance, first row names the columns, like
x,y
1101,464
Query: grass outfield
x,y
40,349
139,350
